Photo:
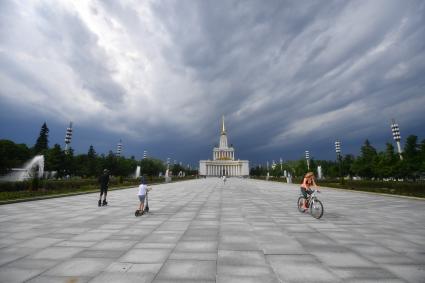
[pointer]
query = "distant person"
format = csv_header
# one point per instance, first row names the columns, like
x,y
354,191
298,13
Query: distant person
x,y
308,182
104,183
143,189
224,179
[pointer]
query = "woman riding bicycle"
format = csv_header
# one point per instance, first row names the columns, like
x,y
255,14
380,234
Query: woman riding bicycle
x,y
306,185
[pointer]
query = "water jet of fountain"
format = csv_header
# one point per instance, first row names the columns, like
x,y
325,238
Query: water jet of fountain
x,y
32,168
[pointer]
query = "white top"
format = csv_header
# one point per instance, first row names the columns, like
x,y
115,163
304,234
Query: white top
x,y
142,190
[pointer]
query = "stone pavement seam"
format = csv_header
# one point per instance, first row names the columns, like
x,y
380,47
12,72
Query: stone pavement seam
x,y
173,249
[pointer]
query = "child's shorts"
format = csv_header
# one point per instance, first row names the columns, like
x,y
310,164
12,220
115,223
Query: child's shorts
x,y
142,198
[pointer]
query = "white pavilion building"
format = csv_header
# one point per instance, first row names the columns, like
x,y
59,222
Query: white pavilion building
x,y
223,162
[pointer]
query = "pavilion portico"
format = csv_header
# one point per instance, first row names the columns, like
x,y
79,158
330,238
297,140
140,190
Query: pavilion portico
x,y
223,163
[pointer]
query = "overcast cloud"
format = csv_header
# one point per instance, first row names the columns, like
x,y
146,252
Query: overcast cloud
x,y
288,76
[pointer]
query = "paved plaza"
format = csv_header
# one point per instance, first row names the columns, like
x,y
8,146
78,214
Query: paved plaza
x,y
205,231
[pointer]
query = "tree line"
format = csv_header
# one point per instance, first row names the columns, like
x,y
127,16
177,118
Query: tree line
x,y
370,164
87,165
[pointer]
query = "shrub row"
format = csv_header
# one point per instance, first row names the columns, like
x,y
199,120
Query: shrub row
x,y
389,187
75,184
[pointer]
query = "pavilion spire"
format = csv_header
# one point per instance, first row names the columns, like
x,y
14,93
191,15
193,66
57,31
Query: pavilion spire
x,y
223,129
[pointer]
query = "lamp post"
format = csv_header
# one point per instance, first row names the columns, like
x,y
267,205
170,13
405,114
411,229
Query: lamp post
x,y
145,154
307,158
68,137
339,158
119,148
396,135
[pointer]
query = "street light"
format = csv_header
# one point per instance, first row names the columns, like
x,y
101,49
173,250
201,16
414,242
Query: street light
x,y
339,157
396,135
307,158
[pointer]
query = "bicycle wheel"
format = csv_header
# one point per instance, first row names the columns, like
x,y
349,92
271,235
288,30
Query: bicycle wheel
x,y
300,204
316,208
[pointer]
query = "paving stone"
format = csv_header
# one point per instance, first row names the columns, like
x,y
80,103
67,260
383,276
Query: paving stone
x,y
288,268
82,244
194,255
123,277
225,278
113,245
42,264
188,270
13,274
226,257
411,273
201,231
363,273
59,279
113,254
146,256
9,257
84,267
342,259
38,243
56,253
196,246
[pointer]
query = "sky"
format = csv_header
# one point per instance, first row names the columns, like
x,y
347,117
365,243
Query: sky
x,y
288,76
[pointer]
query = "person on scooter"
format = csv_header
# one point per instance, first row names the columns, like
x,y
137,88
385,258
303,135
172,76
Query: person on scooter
x,y
308,182
143,189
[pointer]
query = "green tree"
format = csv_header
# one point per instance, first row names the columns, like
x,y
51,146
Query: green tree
x,y
93,163
69,163
110,162
12,155
330,169
55,160
347,162
42,143
151,167
364,165
411,159
422,156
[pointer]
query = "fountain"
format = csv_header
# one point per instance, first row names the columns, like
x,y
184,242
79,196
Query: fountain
x,y
137,174
31,169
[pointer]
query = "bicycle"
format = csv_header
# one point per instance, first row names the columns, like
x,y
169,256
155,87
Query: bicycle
x,y
312,203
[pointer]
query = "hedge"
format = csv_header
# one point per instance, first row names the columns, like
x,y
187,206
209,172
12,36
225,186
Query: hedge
x,y
416,189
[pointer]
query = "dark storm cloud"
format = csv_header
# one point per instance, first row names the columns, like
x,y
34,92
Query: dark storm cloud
x,y
288,75
281,63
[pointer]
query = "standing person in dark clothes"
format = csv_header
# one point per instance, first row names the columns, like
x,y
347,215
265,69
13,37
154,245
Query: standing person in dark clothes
x,y
104,182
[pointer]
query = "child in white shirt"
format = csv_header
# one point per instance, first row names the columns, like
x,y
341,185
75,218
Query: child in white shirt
x,y
143,189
